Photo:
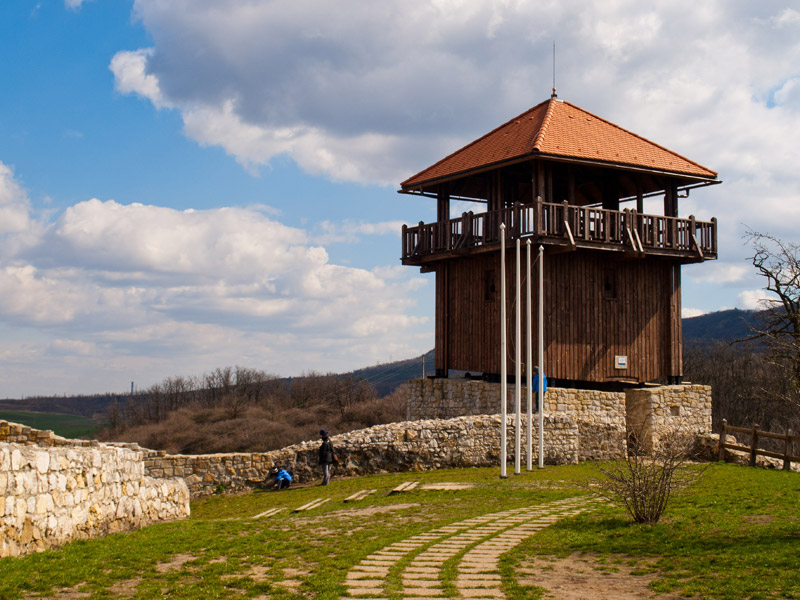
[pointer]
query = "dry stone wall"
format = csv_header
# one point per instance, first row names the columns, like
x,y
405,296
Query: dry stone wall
x,y
53,493
470,441
600,416
656,413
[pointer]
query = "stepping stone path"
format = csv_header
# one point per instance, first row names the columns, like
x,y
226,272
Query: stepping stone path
x,y
475,544
359,495
312,505
269,513
405,487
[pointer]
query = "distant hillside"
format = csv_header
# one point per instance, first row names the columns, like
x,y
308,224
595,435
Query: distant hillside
x,y
83,406
388,376
720,326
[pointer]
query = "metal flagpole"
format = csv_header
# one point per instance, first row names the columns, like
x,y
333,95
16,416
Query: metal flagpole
x,y
503,349
529,379
518,373
541,357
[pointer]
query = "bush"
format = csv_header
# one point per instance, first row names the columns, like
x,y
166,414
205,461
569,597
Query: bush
x,y
643,482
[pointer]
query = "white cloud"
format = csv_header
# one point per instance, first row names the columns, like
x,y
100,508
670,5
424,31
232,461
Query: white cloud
x,y
722,272
14,205
73,4
350,231
151,290
752,299
688,313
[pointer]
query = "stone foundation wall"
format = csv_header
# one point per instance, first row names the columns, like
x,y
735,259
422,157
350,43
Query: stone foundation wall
x,y
52,494
471,441
656,413
600,416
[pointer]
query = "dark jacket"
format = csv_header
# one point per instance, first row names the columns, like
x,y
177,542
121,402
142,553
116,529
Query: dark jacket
x,y
326,452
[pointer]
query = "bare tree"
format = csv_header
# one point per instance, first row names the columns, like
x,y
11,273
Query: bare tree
x,y
643,482
779,327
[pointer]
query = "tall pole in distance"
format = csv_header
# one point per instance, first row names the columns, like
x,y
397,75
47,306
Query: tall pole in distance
x,y
541,357
503,349
529,380
518,373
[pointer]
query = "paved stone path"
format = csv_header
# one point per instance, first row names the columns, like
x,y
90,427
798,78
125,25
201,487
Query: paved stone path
x,y
475,544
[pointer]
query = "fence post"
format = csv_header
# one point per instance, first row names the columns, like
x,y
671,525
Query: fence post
x,y
721,450
787,451
754,446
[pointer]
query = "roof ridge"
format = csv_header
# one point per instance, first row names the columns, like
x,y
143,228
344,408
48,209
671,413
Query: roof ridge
x,y
537,143
438,162
636,135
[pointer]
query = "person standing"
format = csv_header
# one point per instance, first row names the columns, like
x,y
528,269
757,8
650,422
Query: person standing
x,y
326,456
536,387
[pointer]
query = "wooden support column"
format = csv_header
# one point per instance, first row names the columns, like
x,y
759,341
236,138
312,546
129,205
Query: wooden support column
x,y
442,204
675,333
442,320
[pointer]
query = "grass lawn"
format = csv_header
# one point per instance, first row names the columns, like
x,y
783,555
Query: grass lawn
x,y
68,426
736,534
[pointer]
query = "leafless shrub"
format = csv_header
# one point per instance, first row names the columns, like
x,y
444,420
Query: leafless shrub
x,y
644,482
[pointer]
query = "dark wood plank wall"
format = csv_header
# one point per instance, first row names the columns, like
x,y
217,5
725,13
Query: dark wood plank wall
x,y
585,324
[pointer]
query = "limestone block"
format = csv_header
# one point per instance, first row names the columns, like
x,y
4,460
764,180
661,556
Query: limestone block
x,y
16,459
42,461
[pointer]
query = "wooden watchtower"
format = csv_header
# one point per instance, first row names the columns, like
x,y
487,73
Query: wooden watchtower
x,y
559,175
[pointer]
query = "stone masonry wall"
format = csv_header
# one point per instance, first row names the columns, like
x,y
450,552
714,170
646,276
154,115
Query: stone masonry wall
x,y
54,493
471,441
656,413
600,416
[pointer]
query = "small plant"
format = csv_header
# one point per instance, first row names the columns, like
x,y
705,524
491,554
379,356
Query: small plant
x,y
644,481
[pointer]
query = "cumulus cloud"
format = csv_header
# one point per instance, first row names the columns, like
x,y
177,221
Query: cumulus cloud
x,y
343,95
350,231
108,283
752,299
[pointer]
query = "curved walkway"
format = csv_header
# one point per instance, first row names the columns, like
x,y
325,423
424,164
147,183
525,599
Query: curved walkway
x,y
475,545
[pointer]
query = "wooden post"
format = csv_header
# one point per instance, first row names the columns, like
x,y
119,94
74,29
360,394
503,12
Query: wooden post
x,y
538,216
405,241
722,436
754,446
787,451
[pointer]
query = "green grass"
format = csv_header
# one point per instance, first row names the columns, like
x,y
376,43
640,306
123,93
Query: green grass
x,y
68,426
736,535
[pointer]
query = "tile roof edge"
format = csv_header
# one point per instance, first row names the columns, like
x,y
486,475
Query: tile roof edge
x,y
472,143
537,143
644,139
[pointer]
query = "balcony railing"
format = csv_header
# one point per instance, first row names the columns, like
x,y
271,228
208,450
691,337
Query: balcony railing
x,y
565,225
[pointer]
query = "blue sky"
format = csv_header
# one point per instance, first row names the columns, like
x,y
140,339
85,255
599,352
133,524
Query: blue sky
x,y
186,185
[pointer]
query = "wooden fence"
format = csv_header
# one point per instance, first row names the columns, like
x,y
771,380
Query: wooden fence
x,y
755,434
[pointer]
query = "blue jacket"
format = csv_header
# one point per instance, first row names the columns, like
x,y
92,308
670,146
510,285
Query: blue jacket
x,y
284,475
536,383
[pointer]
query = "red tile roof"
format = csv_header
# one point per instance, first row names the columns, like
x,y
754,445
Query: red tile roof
x,y
561,130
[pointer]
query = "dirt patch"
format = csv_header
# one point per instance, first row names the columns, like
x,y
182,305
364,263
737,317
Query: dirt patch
x,y
72,593
293,578
757,519
586,577
174,563
368,511
125,588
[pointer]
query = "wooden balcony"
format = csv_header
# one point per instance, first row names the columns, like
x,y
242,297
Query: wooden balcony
x,y
563,227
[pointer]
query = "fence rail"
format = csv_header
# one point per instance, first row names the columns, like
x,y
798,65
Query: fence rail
x,y
565,224
755,434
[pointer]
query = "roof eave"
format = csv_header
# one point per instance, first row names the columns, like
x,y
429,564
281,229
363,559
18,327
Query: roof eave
x,y
554,157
